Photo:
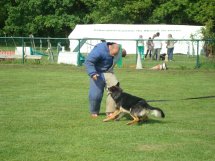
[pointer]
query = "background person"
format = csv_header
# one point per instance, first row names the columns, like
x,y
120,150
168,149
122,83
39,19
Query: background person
x,y
99,65
140,46
170,47
157,46
149,45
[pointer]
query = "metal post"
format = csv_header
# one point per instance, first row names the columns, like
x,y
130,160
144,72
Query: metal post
x,y
41,45
23,51
79,50
136,50
197,58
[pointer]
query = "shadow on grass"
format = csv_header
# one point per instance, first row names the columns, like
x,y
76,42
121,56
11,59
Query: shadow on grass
x,y
128,118
184,99
152,121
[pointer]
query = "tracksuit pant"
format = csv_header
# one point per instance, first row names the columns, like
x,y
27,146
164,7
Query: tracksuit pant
x,y
141,51
96,92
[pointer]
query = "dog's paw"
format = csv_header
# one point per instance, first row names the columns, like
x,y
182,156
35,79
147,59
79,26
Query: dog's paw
x,y
132,122
129,123
107,119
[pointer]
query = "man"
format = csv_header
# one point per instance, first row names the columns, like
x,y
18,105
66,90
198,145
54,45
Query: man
x,y
157,45
99,65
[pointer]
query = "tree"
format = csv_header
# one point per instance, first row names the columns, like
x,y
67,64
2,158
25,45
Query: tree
x,y
120,11
43,18
3,12
172,12
57,18
202,12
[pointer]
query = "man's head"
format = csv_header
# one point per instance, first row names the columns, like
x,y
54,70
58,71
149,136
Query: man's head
x,y
169,35
158,34
124,53
114,49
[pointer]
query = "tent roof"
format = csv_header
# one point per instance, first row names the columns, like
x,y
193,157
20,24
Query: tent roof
x,y
130,31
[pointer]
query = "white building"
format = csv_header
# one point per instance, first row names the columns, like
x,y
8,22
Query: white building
x,y
125,35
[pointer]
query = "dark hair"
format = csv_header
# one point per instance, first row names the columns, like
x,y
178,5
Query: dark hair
x,y
110,43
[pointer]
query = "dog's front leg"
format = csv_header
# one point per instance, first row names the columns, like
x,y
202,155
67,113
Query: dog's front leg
x,y
113,116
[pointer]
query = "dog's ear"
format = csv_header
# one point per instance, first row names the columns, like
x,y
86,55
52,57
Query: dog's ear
x,y
117,84
119,89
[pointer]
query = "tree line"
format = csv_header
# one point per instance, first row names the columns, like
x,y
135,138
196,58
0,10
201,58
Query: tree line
x,y
57,18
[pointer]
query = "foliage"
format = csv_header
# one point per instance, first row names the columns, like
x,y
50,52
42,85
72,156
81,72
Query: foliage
x,y
209,34
203,12
121,11
43,18
58,17
171,11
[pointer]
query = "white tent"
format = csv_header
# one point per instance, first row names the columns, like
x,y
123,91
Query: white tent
x,y
127,34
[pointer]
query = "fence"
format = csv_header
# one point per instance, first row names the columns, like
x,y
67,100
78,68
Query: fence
x,y
46,50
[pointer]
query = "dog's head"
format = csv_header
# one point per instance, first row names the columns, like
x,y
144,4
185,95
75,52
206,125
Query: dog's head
x,y
115,92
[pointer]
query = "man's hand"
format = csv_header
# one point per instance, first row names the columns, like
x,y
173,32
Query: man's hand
x,y
95,76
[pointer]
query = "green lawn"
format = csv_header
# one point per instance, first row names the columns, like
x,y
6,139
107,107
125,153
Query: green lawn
x,y
44,116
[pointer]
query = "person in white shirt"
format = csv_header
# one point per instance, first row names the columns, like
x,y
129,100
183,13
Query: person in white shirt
x,y
157,46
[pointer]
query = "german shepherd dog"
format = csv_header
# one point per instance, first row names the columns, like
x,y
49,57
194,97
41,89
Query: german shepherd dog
x,y
137,107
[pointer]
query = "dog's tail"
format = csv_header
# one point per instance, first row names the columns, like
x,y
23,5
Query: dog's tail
x,y
157,112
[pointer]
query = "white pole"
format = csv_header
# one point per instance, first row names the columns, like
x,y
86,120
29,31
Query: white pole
x,y
139,63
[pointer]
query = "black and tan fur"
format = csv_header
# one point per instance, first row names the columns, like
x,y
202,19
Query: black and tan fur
x,y
137,107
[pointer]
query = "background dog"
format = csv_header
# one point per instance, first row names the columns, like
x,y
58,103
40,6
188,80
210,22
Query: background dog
x,y
137,107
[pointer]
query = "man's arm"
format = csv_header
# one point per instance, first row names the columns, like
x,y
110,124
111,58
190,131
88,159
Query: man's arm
x,y
91,61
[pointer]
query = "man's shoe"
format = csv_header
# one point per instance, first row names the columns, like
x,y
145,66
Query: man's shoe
x,y
94,115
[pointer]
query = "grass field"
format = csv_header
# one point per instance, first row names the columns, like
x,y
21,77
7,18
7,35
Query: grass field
x,y
44,116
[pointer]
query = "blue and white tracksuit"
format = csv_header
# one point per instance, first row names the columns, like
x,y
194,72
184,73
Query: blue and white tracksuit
x,y
99,61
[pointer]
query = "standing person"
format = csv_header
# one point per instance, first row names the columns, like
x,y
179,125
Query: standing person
x,y
32,41
140,46
157,45
170,47
149,47
99,64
